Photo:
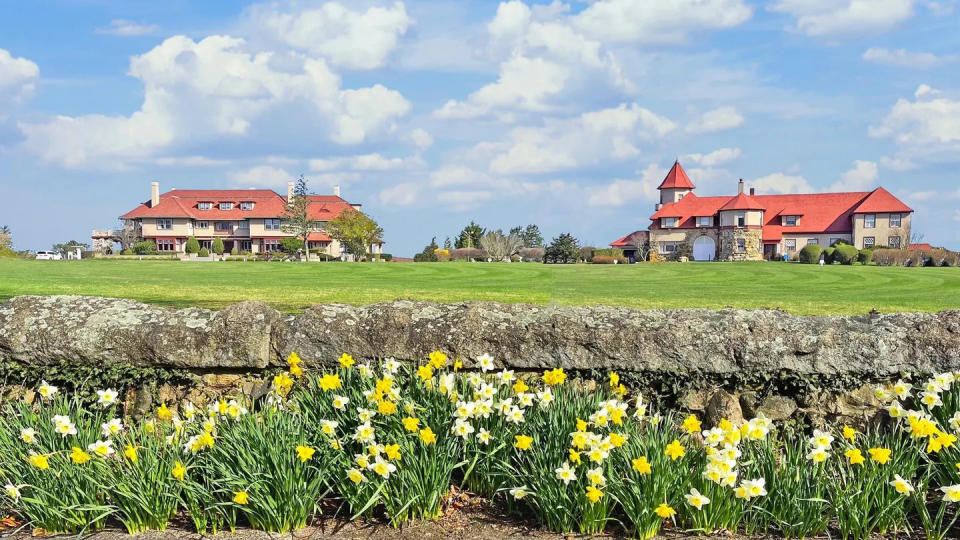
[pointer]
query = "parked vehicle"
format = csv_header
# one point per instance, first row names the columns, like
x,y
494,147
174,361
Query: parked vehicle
x,y
49,256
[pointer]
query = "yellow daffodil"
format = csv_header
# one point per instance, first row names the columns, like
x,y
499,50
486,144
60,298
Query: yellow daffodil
x,y
179,471
675,450
554,377
849,433
130,452
614,379
594,494
78,456
520,387
411,424
438,359
855,456
330,381
574,456
522,442
691,424
346,361
282,384
641,465
457,365
427,436
425,372
241,497
304,453
879,455
665,511
164,414
617,439
296,371
39,461
387,407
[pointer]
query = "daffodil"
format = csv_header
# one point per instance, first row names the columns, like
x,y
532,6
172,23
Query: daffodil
x,y
462,428
951,493
101,448
554,377
393,452
164,414
485,362
849,433
179,471
902,486
595,476
382,467
438,359
641,465
346,361
565,473
425,372
304,453
574,456
879,455
854,456
818,454
130,452
411,424
691,424
47,391
28,435
696,499
675,450
665,511
427,436
12,491
330,381
78,456
356,476
522,442
39,461
594,494
483,436
340,402
241,497
106,398
520,387
364,433
519,492
387,408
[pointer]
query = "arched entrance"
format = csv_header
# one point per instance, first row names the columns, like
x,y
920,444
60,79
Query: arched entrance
x,y
704,249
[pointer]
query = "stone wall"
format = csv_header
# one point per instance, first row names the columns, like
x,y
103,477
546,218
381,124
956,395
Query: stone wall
x,y
750,354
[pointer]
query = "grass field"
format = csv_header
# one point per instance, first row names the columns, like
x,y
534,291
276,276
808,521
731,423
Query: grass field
x,y
801,289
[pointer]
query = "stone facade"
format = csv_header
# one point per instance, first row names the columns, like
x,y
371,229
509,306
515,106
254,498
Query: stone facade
x,y
752,244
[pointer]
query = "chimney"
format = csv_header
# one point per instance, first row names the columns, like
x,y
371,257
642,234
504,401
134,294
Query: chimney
x,y
336,191
740,187
154,194
289,192
753,191
657,207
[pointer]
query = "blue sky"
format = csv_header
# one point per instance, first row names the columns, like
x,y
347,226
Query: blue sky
x,y
433,113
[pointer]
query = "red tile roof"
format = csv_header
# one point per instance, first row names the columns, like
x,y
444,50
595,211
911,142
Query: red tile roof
x,y
631,239
676,178
921,246
318,237
822,213
182,203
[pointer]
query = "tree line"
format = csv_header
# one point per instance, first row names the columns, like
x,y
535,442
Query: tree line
x,y
520,243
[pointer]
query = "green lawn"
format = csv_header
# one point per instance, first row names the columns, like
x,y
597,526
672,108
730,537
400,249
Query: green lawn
x,y
802,289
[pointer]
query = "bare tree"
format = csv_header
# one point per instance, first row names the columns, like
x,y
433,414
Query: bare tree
x,y
916,237
643,250
501,246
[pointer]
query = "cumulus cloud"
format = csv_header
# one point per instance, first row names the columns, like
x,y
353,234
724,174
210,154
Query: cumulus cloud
x,y
658,22
905,58
862,177
717,119
715,158
213,89
590,138
403,194
344,37
366,162
421,138
126,28
18,79
620,191
779,182
842,18
925,129
262,176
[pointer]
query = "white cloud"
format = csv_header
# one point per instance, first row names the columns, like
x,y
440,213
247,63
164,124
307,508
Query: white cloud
x,y
125,28
190,161
593,137
346,38
779,182
262,176
18,79
842,18
366,162
718,119
403,194
956,215
421,138
715,158
862,177
926,129
211,90
621,192
658,22
905,58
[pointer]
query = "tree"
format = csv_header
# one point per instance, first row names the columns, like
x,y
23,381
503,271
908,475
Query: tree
x,y
532,237
500,246
916,237
470,236
429,253
296,217
643,249
193,246
563,248
130,234
6,238
218,246
67,247
447,244
291,245
355,230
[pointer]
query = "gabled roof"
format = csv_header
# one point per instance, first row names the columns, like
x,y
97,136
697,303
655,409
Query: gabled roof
x,y
676,178
631,239
183,203
742,202
881,200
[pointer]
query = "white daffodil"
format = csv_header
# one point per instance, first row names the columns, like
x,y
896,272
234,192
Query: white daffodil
x,y
696,499
951,493
461,428
485,361
391,366
484,436
340,402
111,428
902,486
364,433
519,492
106,398
12,491
565,473
28,435
47,391
101,448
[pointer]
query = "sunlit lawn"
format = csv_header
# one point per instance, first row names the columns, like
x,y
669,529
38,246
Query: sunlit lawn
x,y
802,289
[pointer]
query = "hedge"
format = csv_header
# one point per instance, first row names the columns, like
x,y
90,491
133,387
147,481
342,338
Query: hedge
x,y
846,254
810,254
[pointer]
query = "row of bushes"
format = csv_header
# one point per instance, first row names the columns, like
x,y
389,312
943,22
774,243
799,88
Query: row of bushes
x,y
534,254
608,256
916,257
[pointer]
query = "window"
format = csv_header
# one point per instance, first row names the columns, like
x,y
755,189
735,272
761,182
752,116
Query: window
x,y
225,206
789,221
704,221
246,245
166,245
894,242
868,241
246,206
244,224
895,220
741,245
670,222
204,206
835,240
814,241
271,245
740,219
224,226
790,244
164,224
271,224
207,244
869,221
202,225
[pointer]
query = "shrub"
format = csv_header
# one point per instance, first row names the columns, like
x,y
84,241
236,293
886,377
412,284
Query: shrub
x,y
291,245
218,246
192,246
234,251
587,253
468,254
846,254
828,254
810,254
950,258
204,252
865,256
128,251
7,252
607,259
380,256
145,248
531,254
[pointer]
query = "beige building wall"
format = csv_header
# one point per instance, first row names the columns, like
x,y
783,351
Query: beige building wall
x,y
882,231
181,227
752,218
824,240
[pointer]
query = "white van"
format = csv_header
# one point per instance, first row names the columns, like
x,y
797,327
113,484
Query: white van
x,y
49,256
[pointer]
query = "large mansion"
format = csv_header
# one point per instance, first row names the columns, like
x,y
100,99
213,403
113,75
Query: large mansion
x,y
747,226
248,220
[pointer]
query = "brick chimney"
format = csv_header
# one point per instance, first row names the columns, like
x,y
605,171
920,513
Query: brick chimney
x,y
289,192
336,191
740,187
154,194
753,191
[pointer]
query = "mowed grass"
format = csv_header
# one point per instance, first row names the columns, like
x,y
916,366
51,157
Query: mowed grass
x,y
291,287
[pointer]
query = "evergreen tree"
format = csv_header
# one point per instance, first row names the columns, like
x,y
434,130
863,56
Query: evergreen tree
x,y
470,236
218,246
563,249
296,219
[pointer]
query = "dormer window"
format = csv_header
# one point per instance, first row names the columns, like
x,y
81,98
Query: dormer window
x,y
246,206
225,206
204,206
790,221
740,219
670,221
704,221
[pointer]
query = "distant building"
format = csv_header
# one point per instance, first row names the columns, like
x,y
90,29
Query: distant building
x,y
747,226
249,220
